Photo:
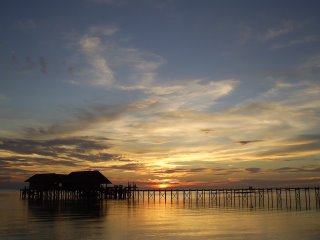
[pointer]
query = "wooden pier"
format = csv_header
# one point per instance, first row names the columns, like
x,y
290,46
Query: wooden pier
x,y
116,192
289,198
298,198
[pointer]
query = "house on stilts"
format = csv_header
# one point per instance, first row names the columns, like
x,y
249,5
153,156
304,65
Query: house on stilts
x,y
75,185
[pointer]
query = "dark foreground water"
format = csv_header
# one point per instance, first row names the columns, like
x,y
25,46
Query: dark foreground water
x,y
113,219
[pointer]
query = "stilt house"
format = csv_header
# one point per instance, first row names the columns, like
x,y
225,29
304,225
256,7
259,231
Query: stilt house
x,y
82,180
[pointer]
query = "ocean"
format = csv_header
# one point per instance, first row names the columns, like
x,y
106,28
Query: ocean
x,y
132,219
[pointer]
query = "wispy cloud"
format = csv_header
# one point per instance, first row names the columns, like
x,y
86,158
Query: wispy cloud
x,y
299,146
245,142
284,28
81,119
193,94
99,73
294,42
25,156
108,30
106,60
66,147
253,170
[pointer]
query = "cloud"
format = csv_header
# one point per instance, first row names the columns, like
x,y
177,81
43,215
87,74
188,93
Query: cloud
x,y
304,40
245,142
142,66
106,62
18,162
126,167
309,69
107,30
299,146
253,170
193,94
284,28
297,169
173,171
64,150
99,71
267,182
20,158
82,119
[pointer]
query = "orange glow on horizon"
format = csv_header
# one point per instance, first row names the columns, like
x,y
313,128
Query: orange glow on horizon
x,y
163,185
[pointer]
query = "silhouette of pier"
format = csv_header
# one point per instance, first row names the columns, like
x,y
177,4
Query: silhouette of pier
x,y
289,198
94,185
298,198
75,185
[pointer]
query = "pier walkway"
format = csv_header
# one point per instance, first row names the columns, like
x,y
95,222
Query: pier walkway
x,y
306,198
298,198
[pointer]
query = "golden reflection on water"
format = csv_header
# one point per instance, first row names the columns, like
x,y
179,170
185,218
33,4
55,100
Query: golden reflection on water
x,y
113,219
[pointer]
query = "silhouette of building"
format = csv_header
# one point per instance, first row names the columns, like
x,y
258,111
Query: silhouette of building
x,y
82,180
86,180
46,181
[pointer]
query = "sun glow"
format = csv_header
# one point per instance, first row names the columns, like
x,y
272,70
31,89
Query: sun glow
x,y
163,185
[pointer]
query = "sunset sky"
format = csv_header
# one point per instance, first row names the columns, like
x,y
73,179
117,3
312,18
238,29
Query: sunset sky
x,y
170,93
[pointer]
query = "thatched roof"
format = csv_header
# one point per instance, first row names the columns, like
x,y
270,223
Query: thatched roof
x,y
88,177
81,179
46,177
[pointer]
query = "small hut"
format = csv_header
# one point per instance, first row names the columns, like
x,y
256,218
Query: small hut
x,y
47,181
75,185
86,180
83,180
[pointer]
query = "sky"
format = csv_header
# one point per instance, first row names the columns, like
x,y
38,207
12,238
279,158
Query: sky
x,y
169,94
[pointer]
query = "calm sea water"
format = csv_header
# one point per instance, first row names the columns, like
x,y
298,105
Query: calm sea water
x,y
113,219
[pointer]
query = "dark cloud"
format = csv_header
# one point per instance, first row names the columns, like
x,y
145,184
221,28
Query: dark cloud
x,y
224,171
13,178
303,169
253,170
126,167
245,142
206,130
275,182
101,157
64,149
82,118
9,162
308,137
304,143
179,170
51,147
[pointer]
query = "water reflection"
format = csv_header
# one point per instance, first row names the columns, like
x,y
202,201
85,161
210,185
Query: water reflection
x,y
81,209
153,220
